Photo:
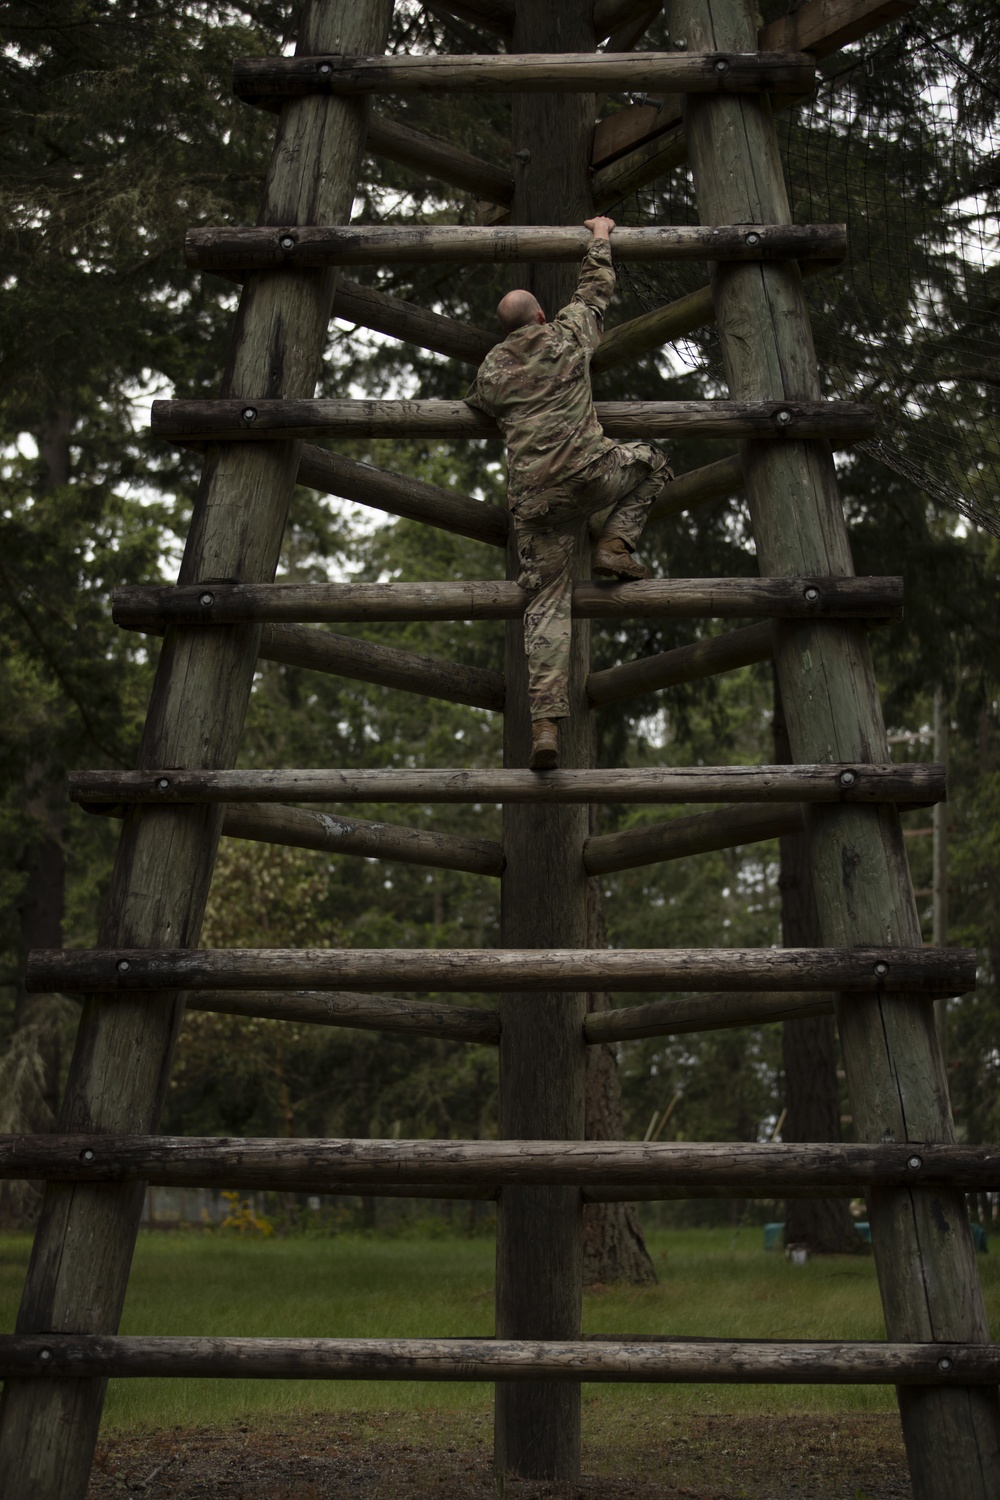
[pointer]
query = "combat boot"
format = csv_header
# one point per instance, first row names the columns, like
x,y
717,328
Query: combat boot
x,y
544,745
612,559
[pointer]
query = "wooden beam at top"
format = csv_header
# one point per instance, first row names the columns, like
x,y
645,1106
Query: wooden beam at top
x,y
267,78
272,248
824,26
623,162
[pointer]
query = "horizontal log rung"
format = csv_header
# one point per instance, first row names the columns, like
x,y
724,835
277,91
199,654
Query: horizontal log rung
x,y
399,495
268,420
301,828
705,658
677,785
67,1355
150,606
261,80
679,1017
365,661
360,1012
714,481
411,323
436,158
919,972
297,246
299,1165
679,838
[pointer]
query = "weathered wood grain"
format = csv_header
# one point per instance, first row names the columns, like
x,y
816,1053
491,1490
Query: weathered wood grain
x,y
360,1012
824,26
705,658
678,838
864,971
366,661
300,1165
676,784
211,249
640,166
898,1089
150,606
496,16
266,420
625,128
548,73
651,330
432,157
715,481
403,320
702,1360
400,495
300,828
678,1017
543,893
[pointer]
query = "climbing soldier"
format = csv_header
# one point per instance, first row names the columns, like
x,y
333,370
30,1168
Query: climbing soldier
x,y
561,469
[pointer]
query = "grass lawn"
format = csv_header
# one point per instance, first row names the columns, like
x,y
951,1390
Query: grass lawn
x,y
713,1282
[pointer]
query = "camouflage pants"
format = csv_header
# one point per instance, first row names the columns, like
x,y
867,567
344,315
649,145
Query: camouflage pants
x,y
547,527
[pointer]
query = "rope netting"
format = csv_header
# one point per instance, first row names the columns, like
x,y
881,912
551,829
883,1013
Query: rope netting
x,y
899,142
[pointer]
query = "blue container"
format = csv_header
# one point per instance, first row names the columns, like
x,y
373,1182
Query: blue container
x,y
774,1235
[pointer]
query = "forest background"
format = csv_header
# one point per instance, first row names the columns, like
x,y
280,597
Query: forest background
x,y
118,132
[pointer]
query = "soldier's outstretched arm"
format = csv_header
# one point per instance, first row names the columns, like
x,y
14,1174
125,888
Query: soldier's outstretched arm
x,y
596,283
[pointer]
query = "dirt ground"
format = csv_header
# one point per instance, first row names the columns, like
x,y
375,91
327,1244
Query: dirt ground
x,y
373,1457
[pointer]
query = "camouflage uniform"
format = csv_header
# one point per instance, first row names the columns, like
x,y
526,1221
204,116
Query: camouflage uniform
x,y
561,468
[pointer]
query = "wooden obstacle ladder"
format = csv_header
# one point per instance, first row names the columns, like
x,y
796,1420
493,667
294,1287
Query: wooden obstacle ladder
x,y
807,612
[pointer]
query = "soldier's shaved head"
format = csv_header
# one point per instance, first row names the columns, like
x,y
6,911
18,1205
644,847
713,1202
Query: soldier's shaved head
x,y
517,309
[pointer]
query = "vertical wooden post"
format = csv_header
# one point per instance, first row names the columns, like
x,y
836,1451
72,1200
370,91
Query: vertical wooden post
x,y
922,1241
83,1246
808,1043
543,891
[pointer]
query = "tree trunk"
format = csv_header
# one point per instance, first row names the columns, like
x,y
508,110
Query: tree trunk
x,y
613,1244
808,1046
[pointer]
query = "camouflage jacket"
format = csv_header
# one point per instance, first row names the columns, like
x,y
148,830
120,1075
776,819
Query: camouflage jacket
x,y
537,385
